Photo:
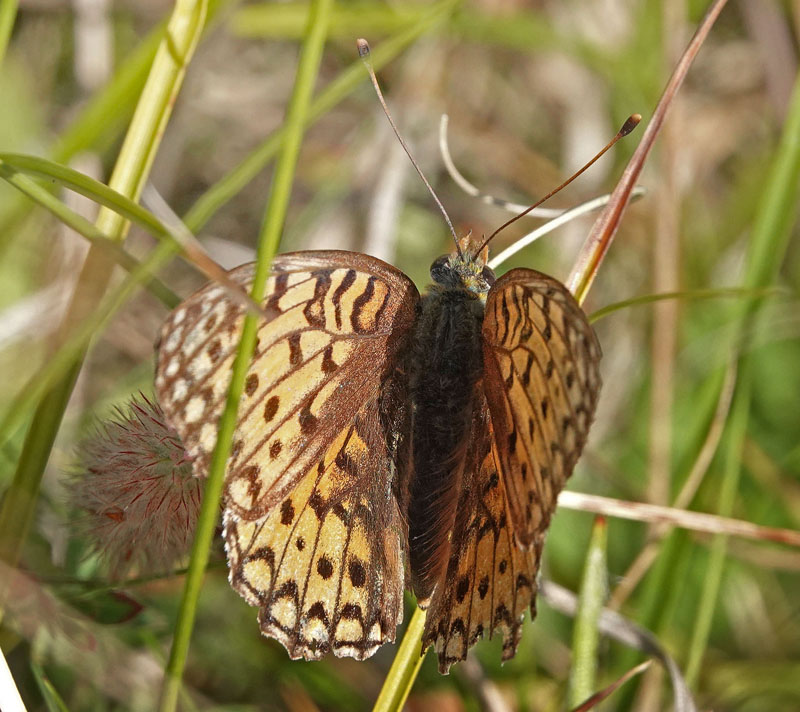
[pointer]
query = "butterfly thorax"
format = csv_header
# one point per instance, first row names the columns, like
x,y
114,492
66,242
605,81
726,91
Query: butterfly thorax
x,y
445,368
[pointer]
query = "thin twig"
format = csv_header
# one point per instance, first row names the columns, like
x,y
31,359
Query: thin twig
x,y
696,521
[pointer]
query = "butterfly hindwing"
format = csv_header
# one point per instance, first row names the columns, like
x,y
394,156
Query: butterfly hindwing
x,y
489,580
542,381
313,529
325,567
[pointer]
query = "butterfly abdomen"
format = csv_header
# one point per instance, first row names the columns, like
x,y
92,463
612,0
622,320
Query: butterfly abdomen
x,y
445,366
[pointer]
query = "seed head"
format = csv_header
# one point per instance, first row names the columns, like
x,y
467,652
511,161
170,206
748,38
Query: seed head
x,y
135,491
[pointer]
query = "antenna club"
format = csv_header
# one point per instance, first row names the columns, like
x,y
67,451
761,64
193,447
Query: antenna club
x,y
363,48
630,124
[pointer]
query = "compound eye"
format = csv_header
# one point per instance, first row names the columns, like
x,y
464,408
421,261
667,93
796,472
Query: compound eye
x,y
439,265
487,275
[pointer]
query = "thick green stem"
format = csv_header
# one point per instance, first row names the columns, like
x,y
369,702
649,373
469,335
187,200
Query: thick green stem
x,y
404,668
586,634
269,239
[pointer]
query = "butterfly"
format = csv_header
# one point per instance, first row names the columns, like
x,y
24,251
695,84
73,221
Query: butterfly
x,y
387,440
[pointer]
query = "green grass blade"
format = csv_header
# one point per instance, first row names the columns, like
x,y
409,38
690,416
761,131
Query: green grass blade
x,y
296,116
737,429
8,13
524,30
52,700
83,227
349,20
87,186
129,175
152,113
772,230
778,207
586,634
404,668
689,294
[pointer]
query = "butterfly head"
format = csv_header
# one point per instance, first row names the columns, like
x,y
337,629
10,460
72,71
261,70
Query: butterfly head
x,y
463,270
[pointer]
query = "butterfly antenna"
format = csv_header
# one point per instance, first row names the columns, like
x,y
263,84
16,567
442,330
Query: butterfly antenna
x,y
363,52
630,124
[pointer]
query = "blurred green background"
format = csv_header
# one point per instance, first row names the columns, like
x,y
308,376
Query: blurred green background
x,y
532,89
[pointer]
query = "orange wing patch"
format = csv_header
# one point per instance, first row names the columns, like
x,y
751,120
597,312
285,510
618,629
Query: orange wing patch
x,y
541,365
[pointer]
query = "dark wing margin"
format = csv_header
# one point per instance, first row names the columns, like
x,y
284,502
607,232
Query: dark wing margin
x,y
313,529
542,381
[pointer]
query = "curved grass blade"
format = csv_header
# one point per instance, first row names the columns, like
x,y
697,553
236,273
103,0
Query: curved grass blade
x,y
126,208
129,175
85,228
87,186
689,294
626,632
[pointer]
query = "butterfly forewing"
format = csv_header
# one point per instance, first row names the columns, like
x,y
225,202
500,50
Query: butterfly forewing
x,y
313,529
542,382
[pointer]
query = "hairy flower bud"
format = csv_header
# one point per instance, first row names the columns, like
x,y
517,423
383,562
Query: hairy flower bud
x,y
135,489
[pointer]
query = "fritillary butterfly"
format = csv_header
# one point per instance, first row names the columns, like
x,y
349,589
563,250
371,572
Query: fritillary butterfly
x,y
387,438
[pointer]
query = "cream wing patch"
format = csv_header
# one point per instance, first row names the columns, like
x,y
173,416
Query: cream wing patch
x,y
324,567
